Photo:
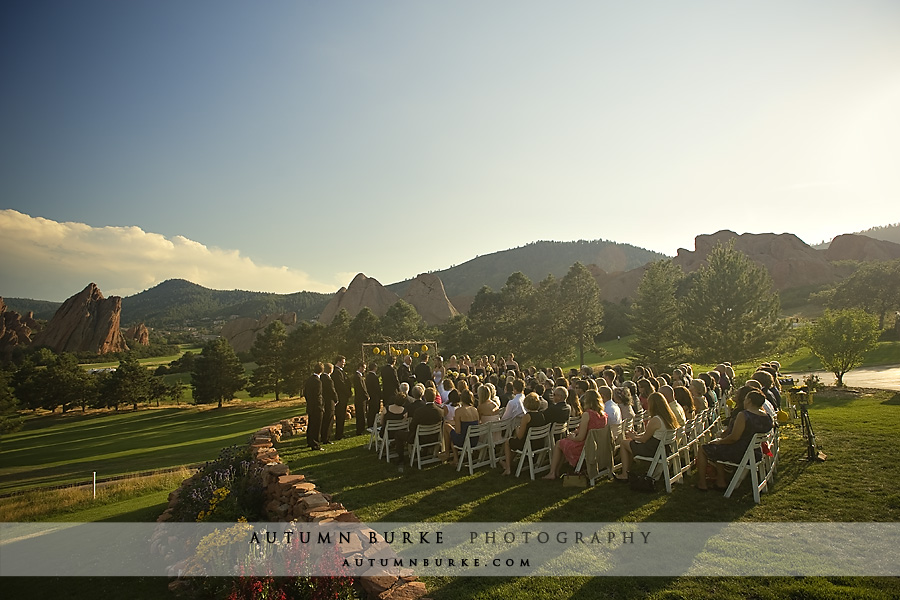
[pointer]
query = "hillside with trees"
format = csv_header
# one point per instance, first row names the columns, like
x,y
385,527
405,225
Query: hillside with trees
x,y
176,301
537,260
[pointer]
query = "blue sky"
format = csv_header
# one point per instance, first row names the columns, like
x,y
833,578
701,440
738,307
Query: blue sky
x,y
281,146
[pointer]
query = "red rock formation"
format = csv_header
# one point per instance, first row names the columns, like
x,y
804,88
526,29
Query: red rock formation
x,y
859,247
241,333
426,293
86,322
363,291
138,335
15,330
789,261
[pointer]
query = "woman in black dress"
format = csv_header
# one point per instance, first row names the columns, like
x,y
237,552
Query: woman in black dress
x,y
752,420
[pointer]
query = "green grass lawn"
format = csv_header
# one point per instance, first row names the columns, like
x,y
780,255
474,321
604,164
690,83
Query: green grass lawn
x,y
858,482
617,352
61,449
151,361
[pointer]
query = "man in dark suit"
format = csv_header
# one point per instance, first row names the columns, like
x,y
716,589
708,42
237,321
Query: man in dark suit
x,y
360,397
404,371
342,388
423,371
373,386
414,400
558,410
329,399
312,391
390,384
428,413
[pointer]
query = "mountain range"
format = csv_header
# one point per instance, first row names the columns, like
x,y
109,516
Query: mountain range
x,y
177,301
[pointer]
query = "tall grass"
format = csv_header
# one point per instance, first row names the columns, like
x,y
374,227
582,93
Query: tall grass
x,y
39,505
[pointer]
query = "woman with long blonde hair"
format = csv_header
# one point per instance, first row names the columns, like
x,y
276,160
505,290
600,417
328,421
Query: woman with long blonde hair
x,y
662,421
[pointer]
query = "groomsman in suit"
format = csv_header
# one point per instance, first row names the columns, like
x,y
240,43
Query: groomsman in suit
x,y
329,399
423,371
373,386
390,383
360,397
342,388
404,371
312,391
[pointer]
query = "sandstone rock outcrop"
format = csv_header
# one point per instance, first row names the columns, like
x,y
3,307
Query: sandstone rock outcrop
x,y
138,335
363,291
789,261
86,322
426,293
15,330
241,333
860,247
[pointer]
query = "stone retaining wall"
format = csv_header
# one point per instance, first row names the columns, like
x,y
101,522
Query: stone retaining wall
x,y
292,498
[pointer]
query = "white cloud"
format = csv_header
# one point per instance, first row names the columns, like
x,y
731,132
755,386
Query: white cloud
x,y
47,260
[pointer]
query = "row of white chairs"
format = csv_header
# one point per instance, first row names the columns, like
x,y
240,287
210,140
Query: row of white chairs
x,y
671,462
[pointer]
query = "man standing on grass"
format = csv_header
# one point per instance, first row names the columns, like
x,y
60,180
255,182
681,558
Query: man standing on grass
x,y
312,391
360,397
373,386
342,388
404,371
390,383
423,371
329,399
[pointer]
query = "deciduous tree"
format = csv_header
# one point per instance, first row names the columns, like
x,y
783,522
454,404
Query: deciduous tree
x,y
874,287
841,338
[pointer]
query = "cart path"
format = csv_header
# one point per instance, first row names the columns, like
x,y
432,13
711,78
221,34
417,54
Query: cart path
x,y
885,377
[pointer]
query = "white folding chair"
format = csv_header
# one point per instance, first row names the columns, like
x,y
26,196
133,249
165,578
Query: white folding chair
x,y
423,432
500,432
536,450
761,471
603,439
389,435
558,431
373,436
477,446
666,452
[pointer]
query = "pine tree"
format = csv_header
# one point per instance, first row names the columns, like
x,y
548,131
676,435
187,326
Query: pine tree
x,y
131,382
730,311
550,342
655,318
268,353
217,373
580,308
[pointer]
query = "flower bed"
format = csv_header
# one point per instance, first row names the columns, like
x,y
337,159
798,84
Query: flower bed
x,y
250,483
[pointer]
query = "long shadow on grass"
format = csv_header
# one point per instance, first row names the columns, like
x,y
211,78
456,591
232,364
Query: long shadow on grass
x,y
893,401
152,442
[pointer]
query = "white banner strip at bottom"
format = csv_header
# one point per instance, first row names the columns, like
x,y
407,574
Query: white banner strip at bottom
x,y
449,549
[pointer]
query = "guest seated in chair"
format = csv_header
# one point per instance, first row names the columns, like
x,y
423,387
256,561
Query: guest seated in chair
x,y
661,422
593,418
750,421
532,418
465,416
